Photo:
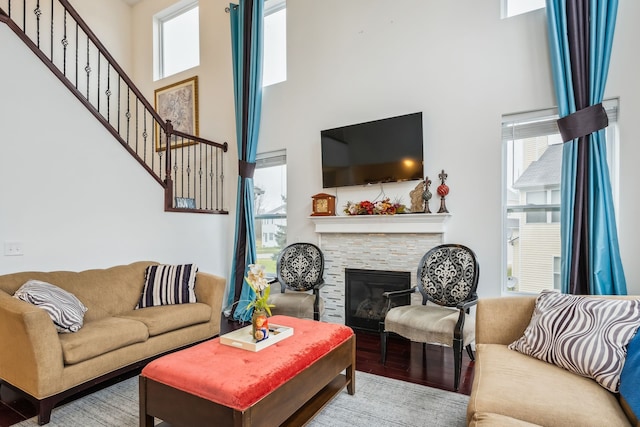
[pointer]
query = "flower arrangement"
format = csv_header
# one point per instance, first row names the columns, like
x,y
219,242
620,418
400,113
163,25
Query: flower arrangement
x,y
381,207
258,282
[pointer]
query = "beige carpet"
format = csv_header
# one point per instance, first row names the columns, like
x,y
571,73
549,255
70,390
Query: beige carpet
x,y
378,401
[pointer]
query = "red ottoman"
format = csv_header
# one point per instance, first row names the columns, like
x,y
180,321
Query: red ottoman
x,y
284,384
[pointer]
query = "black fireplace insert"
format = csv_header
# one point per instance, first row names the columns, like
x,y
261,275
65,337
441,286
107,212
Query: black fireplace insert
x,y
364,303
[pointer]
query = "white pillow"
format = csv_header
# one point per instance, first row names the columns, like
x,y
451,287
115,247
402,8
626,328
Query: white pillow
x,y
66,311
584,335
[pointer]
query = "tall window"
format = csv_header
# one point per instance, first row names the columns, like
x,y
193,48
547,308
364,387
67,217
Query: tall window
x,y
176,39
270,193
275,42
532,169
518,7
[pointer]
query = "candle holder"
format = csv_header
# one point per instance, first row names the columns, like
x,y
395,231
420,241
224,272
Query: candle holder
x,y
443,191
426,194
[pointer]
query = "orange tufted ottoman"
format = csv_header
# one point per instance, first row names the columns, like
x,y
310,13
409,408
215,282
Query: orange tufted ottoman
x,y
284,384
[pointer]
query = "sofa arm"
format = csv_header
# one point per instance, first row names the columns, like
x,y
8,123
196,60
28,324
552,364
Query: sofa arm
x,y
30,354
503,320
210,290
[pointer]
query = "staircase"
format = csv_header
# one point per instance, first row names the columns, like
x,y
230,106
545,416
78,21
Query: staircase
x,y
189,168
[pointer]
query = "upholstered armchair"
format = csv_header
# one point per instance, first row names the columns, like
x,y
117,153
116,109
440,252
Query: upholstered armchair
x,y
300,269
447,279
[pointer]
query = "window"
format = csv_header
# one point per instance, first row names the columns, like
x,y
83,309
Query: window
x,y
275,42
517,7
532,153
176,39
544,197
270,197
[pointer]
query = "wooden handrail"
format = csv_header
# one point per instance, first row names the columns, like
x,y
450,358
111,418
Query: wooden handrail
x,y
224,146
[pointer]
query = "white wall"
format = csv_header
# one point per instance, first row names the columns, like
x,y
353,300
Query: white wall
x,y
111,22
463,67
71,193
358,60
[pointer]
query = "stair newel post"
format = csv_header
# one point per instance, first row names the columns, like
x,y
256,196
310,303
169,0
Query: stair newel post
x,y
168,182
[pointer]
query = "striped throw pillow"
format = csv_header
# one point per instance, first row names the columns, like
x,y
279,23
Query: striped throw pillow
x,y
64,308
168,284
584,335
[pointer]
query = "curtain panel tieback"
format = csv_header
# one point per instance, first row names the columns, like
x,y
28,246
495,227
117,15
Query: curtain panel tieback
x,y
583,122
246,169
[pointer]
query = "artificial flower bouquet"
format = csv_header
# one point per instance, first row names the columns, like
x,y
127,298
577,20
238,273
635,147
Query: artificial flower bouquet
x,y
258,282
381,207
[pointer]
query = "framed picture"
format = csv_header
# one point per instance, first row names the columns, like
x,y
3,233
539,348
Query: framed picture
x,y
178,102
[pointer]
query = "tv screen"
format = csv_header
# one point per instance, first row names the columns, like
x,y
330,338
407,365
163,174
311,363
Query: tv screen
x,y
387,150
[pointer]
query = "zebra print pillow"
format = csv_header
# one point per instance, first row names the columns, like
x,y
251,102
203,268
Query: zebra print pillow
x,y
168,284
66,311
584,335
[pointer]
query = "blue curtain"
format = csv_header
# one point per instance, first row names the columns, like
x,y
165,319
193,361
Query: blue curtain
x,y
247,47
580,37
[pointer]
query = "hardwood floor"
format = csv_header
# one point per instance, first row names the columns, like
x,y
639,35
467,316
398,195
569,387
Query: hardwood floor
x,y
406,361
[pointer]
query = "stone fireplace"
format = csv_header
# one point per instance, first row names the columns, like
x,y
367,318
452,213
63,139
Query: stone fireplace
x,y
372,242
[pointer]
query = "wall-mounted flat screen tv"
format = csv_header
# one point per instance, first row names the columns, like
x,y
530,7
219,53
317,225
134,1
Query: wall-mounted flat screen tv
x,y
387,150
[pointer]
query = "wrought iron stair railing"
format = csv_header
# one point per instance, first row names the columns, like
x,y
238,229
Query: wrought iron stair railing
x,y
189,168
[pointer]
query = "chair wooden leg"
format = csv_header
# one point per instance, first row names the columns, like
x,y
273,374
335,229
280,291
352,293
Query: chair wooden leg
x,y
383,344
457,362
470,352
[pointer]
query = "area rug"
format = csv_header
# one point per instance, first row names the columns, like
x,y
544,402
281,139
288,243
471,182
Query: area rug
x,y
378,401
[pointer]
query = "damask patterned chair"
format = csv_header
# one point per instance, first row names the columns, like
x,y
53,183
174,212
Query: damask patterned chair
x,y
300,270
447,280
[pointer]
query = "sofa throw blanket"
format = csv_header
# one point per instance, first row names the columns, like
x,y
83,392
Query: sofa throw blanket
x,y
66,311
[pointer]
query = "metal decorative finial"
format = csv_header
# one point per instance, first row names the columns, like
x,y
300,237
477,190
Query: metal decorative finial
x,y
426,194
443,190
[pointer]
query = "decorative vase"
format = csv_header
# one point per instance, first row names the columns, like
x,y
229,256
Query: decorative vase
x,y
260,325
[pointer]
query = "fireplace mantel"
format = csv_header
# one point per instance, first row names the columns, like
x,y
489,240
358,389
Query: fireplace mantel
x,y
382,224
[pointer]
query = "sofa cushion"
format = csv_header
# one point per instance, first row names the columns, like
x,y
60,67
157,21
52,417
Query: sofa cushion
x,y
168,284
163,319
66,311
629,387
101,336
585,335
522,387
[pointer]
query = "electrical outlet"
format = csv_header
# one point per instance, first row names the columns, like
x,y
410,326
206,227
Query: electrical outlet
x,y
13,249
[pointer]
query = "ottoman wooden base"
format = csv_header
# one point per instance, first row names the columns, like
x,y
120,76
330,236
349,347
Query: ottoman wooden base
x,y
292,404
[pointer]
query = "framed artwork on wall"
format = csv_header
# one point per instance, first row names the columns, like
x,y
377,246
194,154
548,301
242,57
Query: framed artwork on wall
x,y
178,102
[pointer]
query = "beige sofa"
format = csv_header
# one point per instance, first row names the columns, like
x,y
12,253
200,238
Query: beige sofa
x,y
115,338
512,389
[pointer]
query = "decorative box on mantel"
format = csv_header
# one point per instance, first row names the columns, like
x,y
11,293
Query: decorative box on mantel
x,y
400,223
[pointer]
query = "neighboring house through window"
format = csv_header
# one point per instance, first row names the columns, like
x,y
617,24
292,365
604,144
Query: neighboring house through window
x,y
270,192
176,39
532,170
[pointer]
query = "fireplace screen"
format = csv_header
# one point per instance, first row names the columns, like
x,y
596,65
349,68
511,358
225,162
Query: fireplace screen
x,y
364,305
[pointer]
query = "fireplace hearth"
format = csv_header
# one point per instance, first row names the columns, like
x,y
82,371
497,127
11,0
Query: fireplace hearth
x,y
364,303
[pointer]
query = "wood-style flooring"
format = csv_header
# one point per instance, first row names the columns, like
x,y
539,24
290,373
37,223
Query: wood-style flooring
x,y
406,361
